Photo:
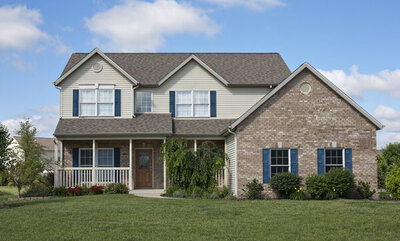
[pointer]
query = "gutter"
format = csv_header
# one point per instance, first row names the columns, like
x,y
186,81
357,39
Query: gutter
x,y
133,100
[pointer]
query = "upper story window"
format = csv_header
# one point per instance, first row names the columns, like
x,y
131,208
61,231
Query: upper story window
x,y
96,100
143,101
192,104
333,159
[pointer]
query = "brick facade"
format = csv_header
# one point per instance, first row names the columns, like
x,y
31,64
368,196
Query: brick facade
x,y
307,122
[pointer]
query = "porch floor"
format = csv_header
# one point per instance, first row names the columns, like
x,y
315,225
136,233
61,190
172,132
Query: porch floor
x,y
152,193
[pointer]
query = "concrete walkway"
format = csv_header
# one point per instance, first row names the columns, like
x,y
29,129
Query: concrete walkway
x,y
153,193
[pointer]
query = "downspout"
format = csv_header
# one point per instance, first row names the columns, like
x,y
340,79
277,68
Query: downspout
x,y
133,100
236,161
59,114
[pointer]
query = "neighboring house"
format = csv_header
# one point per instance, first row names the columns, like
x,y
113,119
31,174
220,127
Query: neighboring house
x,y
48,150
118,108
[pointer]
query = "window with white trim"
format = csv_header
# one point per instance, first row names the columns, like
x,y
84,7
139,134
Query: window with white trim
x,y
280,161
143,101
96,100
334,159
192,103
105,157
85,157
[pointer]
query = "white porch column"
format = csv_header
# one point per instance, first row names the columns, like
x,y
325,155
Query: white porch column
x,y
94,162
130,166
195,145
165,168
226,173
56,173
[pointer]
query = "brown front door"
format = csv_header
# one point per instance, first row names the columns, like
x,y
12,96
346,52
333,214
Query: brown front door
x,y
144,161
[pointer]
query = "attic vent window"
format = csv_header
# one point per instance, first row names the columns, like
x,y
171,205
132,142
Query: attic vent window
x,y
305,88
97,67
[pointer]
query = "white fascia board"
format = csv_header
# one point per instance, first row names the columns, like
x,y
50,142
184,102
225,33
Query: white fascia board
x,y
93,52
193,57
320,76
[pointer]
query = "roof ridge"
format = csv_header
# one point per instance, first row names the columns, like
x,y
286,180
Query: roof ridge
x,y
184,53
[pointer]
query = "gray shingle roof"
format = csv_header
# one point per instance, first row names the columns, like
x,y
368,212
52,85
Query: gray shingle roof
x,y
46,142
205,127
146,125
236,68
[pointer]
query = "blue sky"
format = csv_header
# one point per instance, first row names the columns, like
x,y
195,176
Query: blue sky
x,y
354,43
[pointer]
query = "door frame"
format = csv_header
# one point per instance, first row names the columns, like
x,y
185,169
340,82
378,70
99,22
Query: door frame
x,y
152,164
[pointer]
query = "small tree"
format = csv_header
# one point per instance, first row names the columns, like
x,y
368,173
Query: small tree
x,y
393,181
210,162
25,166
5,142
390,155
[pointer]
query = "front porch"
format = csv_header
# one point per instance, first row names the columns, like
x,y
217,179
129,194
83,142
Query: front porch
x,y
134,162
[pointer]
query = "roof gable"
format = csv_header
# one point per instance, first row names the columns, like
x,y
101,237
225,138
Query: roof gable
x,y
68,72
324,80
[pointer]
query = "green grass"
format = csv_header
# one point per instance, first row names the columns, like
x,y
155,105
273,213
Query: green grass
x,y
7,192
126,217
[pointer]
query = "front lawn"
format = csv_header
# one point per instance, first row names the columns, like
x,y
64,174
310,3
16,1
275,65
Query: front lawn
x,y
126,217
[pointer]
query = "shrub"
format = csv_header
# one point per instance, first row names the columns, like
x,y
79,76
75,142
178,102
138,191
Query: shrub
x,y
116,188
284,183
341,179
37,191
266,197
171,189
75,191
364,189
253,190
298,194
384,196
225,192
60,191
197,192
97,189
215,194
180,193
316,186
331,194
392,182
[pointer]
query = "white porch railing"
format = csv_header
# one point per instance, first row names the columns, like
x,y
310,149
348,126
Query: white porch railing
x,y
79,176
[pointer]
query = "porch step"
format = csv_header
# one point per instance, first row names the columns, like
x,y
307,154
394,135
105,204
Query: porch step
x,y
153,193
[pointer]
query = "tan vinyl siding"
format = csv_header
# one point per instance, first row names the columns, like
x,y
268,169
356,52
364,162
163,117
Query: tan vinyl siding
x,y
231,102
231,151
85,75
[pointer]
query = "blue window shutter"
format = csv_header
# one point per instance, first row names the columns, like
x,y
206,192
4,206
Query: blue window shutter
x,y
117,158
75,104
321,160
172,103
117,97
348,159
266,165
75,157
294,161
213,103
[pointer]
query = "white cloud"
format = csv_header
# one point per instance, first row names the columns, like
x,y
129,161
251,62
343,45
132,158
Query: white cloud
x,y
19,27
391,119
19,30
44,119
355,83
259,5
385,138
143,26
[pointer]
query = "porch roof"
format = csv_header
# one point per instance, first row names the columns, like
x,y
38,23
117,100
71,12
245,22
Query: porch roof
x,y
145,124
200,127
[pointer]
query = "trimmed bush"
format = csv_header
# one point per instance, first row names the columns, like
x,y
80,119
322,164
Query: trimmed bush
x,y
75,191
180,193
284,183
60,192
392,181
97,189
253,190
215,195
341,179
116,188
37,191
364,189
197,192
171,189
331,194
225,192
317,186
266,197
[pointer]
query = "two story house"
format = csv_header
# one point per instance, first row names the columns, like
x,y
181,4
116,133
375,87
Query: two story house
x,y
116,110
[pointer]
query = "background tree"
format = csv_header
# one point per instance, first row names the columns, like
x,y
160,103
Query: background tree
x,y
25,166
5,141
390,155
